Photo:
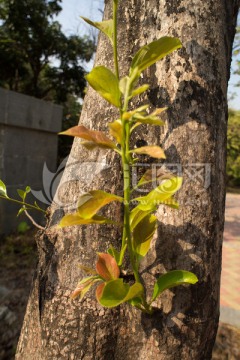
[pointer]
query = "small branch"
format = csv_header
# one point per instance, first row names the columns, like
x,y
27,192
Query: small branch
x,y
33,221
22,203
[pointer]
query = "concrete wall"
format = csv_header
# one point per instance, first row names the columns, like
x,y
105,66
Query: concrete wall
x,y
28,139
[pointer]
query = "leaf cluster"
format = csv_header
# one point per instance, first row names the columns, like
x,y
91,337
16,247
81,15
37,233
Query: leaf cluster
x,y
139,222
22,194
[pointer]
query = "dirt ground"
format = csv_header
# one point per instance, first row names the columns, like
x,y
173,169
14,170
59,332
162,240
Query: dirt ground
x,y
18,259
227,346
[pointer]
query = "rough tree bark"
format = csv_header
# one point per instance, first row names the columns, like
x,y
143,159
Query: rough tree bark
x,y
193,84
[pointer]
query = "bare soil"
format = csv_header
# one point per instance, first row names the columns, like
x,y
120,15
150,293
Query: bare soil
x,y
18,258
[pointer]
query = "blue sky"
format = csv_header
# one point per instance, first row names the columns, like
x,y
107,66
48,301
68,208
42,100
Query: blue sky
x,y
73,9
72,24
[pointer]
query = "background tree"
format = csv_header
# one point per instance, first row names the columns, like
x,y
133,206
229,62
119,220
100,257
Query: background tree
x,y
71,113
36,57
233,134
236,49
233,148
193,84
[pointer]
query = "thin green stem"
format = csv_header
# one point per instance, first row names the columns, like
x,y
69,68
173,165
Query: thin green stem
x,y
146,309
115,51
126,183
126,159
23,203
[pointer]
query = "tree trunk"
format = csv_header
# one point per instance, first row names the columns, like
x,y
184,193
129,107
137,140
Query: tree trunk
x,y
192,83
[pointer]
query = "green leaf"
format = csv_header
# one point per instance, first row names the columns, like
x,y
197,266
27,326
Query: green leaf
x,y
76,219
129,114
113,252
106,84
96,138
172,203
20,211
135,301
158,111
136,216
116,292
123,84
83,286
171,279
143,233
151,119
154,174
99,291
23,227
153,151
140,90
118,256
107,267
3,189
91,202
116,130
134,291
87,269
105,26
131,130
151,53
21,193
160,194
27,190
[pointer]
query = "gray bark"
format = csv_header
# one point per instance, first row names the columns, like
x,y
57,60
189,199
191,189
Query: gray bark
x,y
193,84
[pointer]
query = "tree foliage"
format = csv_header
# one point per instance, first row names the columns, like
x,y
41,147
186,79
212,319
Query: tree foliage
x,y
37,58
233,148
236,49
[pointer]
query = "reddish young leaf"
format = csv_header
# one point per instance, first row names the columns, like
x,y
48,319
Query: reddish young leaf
x,y
92,136
83,286
107,267
153,151
99,291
